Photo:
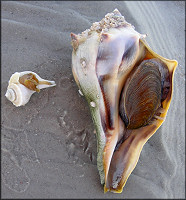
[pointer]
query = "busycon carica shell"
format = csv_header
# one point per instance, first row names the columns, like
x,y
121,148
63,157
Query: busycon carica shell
x,y
128,88
23,84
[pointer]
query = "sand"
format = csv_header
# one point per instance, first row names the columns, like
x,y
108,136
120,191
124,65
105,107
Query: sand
x,y
49,146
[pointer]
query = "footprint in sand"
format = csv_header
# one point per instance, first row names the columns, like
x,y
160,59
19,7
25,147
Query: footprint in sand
x,y
15,149
13,176
80,144
15,142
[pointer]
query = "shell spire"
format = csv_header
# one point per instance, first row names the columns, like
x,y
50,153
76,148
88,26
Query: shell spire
x,y
74,38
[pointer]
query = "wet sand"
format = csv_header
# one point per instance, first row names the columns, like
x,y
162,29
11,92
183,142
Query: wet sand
x,y
48,146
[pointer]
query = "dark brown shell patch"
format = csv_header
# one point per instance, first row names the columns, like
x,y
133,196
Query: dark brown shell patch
x,y
141,96
30,81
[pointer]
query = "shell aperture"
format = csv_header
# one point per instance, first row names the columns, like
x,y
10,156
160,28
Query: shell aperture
x,y
134,84
29,81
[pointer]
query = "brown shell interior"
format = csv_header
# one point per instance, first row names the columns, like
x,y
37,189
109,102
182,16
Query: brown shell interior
x,y
128,148
30,81
142,95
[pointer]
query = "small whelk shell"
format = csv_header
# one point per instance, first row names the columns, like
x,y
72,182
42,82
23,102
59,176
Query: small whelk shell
x,y
23,84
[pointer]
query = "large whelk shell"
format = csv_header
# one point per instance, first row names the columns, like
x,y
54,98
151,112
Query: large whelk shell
x,y
23,84
112,61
